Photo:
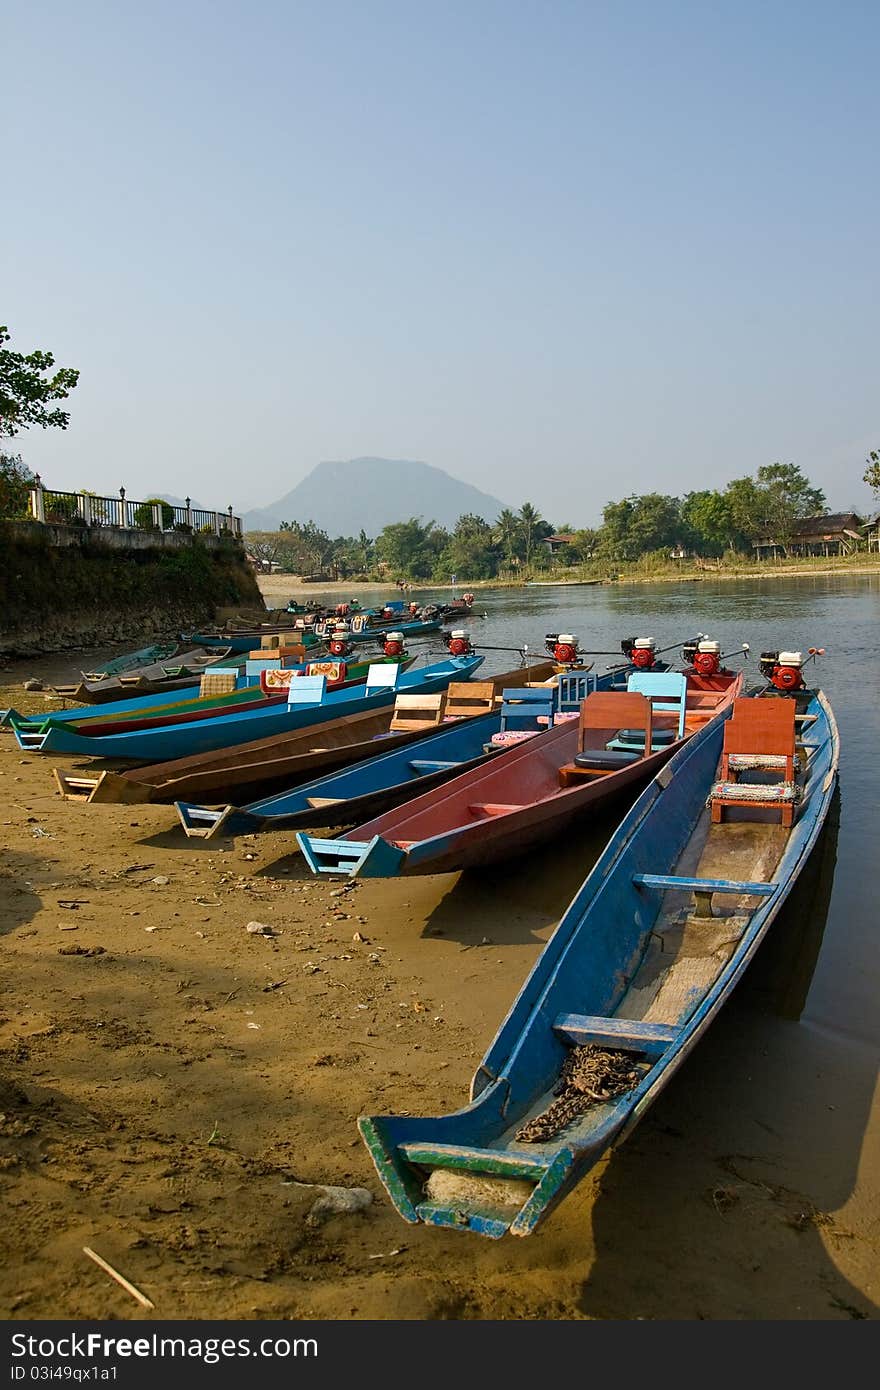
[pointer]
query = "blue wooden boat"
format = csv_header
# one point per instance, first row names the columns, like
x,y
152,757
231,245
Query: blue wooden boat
x,y
645,956
227,730
169,705
264,766
243,642
374,629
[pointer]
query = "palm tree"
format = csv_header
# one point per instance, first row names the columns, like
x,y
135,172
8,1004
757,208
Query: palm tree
x,y
530,522
506,532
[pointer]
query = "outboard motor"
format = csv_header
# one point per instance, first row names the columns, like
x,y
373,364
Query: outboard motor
x,y
468,599
339,644
342,610
393,644
414,608
563,647
689,651
641,652
783,671
706,660
459,642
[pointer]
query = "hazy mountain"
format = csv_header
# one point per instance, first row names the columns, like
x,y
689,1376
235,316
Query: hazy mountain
x,y
369,493
181,502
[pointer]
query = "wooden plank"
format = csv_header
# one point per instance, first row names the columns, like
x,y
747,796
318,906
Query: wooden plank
x,y
499,1162
628,1034
704,885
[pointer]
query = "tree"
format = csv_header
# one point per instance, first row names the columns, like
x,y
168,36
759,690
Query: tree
x,y
615,539
787,496
655,523
871,475
708,522
533,528
16,480
747,506
506,532
26,389
411,548
264,546
470,553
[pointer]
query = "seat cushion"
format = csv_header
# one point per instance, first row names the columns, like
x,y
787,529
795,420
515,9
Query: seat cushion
x,y
659,737
606,757
513,735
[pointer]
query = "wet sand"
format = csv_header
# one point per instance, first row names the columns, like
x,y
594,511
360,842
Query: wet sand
x,y
166,1079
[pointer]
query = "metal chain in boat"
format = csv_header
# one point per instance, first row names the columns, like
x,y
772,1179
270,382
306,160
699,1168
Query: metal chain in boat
x,y
589,1076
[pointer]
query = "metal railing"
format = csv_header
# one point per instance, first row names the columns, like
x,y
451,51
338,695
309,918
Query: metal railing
x,y
87,509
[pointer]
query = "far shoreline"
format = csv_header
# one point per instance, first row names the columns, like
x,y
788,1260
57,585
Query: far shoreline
x,y
292,586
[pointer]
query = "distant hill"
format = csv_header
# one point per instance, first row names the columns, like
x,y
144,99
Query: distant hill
x,y
181,502
369,493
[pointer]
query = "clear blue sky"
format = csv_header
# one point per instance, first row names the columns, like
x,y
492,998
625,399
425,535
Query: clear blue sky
x,y
566,251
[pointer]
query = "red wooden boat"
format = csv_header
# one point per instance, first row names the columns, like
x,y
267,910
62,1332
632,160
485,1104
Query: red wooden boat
x,y
530,792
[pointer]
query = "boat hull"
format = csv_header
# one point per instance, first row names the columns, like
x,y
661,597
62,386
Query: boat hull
x,y
591,982
230,729
478,821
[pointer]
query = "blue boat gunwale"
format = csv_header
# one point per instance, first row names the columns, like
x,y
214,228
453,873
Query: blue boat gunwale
x,y
490,1087
147,745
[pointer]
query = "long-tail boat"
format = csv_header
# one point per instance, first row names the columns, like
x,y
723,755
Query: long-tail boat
x,y
524,795
175,673
395,774
269,717
271,764
645,956
194,701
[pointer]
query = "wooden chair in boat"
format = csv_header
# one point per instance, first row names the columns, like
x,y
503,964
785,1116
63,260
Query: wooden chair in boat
x,y
667,691
412,712
758,738
573,688
525,711
602,718
464,699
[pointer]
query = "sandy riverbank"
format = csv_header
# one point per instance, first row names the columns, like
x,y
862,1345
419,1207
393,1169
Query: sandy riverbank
x,y
166,1079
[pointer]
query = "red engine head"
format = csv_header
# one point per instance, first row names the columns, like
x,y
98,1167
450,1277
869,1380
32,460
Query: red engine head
x,y
393,645
643,658
459,643
564,654
787,678
707,663
339,644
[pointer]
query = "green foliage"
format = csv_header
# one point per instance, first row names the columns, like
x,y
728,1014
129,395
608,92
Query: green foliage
x,y
709,527
16,480
411,549
786,495
871,475
26,389
143,515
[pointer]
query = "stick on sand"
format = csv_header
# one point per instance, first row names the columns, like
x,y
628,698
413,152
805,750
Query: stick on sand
x,y
114,1274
